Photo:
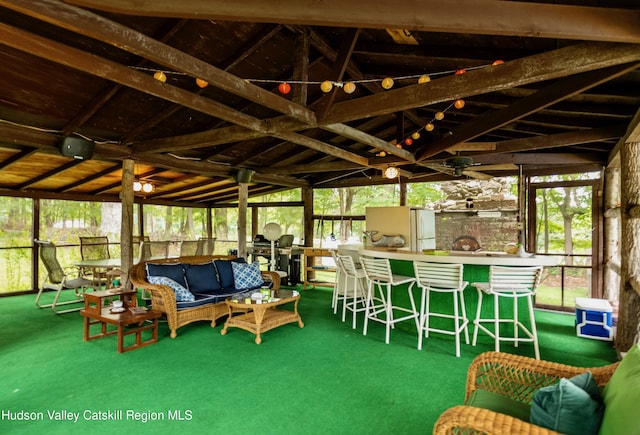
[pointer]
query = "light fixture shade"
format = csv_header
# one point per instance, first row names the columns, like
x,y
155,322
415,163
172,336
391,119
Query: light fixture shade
x,y
137,186
272,231
391,172
147,187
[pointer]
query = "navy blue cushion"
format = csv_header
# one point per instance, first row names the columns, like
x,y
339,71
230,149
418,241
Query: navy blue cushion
x,y
200,299
173,271
225,272
202,278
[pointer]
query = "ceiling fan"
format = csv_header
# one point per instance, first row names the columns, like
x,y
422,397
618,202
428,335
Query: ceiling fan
x,y
457,166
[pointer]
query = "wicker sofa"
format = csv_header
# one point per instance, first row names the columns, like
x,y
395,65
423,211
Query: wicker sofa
x,y
163,297
519,378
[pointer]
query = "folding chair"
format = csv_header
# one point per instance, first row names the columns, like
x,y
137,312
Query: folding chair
x,y
57,279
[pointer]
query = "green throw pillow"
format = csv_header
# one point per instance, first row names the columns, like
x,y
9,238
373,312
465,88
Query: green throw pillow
x,y
622,397
572,406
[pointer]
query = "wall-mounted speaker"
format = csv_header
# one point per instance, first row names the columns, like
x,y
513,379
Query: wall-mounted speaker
x,y
244,175
78,148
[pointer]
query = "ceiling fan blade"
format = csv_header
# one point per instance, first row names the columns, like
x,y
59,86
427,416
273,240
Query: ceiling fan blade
x,y
477,175
440,168
499,167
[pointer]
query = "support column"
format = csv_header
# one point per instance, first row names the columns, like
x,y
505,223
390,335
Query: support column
x,y
628,330
307,199
126,226
611,280
243,195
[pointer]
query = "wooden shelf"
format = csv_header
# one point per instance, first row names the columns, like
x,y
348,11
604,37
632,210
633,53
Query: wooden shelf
x,y
312,267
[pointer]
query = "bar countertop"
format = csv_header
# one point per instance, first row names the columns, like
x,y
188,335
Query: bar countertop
x,y
465,257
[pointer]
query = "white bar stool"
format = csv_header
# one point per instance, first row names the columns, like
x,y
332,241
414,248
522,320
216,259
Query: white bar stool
x,y
338,284
442,278
354,296
513,282
379,277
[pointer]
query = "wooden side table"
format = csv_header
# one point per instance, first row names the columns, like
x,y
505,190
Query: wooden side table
x,y
95,312
259,318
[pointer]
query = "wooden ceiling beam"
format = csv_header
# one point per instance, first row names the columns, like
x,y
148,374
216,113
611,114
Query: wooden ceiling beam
x,y
112,71
51,173
540,159
532,69
546,97
337,70
322,147
558,140
311,168
95,26
21,154
106,94
463,16
89,179
168,112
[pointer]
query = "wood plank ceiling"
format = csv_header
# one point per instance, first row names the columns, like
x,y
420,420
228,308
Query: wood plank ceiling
x,y
565,95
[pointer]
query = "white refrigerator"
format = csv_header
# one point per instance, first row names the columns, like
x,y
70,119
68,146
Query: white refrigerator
x,y
415,225
423,229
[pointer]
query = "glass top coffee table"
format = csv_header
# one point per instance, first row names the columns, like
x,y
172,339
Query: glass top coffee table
x,y
262,317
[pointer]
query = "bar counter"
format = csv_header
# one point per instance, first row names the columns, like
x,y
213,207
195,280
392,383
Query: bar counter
x,y
485,258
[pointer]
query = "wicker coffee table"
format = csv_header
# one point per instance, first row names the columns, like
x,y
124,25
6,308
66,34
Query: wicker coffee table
x,y
260,318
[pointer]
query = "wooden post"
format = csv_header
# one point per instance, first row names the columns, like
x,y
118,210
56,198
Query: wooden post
x,y
611,284
126,226
243,195
628,330
307,199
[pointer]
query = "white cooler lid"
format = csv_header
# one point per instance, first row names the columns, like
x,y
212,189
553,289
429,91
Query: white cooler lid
x,y
593,304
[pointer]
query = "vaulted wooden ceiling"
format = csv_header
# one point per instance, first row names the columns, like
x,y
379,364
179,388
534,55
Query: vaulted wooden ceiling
x,y
566,95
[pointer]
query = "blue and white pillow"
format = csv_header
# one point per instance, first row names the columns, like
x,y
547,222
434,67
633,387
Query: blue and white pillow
x,y
182,294
247,275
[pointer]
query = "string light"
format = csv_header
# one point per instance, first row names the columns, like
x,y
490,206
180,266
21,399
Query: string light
x,y
326,86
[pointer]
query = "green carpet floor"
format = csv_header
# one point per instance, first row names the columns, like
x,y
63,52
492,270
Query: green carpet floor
x,y
323,379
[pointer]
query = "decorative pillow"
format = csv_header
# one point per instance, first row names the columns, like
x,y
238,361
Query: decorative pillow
x,y
247,276
225,272
201,278
572,406
173,271
622,396
182,294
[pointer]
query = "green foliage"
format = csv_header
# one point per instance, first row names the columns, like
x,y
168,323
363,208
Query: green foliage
x,y
64,221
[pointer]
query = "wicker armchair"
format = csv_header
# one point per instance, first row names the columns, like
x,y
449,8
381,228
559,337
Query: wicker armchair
x,y
163,298
513,376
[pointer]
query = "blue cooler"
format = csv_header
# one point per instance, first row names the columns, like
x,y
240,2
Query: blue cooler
x,y
593,318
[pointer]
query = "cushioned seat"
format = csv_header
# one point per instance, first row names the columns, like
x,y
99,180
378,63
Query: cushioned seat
x,y
563,398
194,288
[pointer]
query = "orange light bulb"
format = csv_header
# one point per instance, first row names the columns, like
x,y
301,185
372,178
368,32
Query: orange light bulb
x,y
349,87
284,88
159,75
387,83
